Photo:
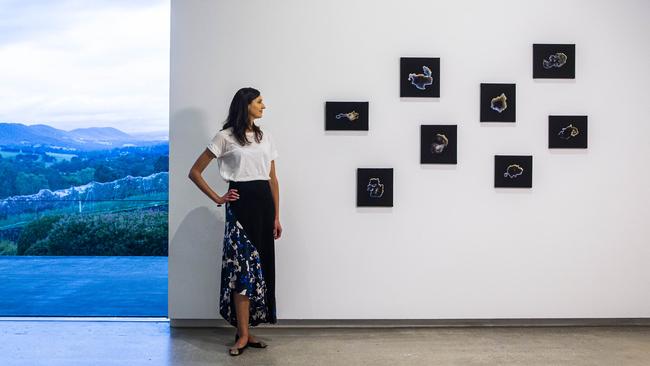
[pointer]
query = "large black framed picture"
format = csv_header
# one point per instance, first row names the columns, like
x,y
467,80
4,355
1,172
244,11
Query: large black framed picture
x,y
498,102
346,116
554,61
567,132
513,171
438,144
374,187
419,77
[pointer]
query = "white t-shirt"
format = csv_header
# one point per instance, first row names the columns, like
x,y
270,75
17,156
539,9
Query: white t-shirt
x,y
243,163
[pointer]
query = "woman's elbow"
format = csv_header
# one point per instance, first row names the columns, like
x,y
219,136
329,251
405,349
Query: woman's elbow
x,y
192,174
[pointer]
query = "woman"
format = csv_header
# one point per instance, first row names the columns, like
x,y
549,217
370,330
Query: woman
x,y
246,157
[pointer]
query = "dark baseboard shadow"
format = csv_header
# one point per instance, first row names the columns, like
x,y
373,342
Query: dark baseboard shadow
x,y
425,323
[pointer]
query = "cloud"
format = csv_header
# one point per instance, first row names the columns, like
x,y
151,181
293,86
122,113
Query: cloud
x,y
70,64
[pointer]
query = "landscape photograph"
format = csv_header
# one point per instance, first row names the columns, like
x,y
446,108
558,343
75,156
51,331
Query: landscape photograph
x,y
109,186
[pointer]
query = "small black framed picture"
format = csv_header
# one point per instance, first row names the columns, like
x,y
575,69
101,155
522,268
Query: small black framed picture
x,y
567,132
438,144
374,187
554,61
513,171
498,102
419,77
346,116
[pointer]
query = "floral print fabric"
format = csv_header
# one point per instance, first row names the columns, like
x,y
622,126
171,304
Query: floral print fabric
x,y
241,272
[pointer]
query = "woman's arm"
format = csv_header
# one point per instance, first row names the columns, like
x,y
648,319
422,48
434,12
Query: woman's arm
x,y
275,190
195,176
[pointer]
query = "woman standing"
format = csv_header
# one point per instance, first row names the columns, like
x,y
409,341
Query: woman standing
x,y
246,158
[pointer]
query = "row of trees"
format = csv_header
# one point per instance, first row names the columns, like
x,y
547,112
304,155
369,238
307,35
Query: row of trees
x,y
137,233
23,174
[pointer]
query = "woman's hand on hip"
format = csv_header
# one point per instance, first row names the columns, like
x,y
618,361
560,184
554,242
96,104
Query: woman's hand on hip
x,y
277,229
230,196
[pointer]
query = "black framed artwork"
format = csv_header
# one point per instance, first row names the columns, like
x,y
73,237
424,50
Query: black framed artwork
x,y
374,187
498,102
346,116
513,171
554,61
567,132
438,144
419,77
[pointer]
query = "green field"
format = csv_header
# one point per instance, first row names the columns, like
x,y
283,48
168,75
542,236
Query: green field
x,y
9,154
57,156
61,156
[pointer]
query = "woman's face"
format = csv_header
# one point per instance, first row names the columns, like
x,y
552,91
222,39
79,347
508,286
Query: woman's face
x,y
256,108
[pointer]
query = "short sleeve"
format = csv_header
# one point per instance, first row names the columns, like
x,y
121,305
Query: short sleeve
x,y
272,149
217,145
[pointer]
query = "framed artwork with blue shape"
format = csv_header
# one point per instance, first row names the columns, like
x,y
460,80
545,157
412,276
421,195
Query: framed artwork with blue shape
x,y
419,77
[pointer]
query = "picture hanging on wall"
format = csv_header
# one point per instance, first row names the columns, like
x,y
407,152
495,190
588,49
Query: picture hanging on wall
x,y
419,77
438,144
346,116
567,132
554,61
498,102
513,171
375,187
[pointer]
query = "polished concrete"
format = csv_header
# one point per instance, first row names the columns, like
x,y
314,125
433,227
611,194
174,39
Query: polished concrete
x,y
71,343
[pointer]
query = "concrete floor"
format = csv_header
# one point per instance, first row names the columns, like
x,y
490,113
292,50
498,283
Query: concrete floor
x,y
125,343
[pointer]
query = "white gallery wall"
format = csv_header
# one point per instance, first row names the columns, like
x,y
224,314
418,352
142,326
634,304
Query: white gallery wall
x,y
576,245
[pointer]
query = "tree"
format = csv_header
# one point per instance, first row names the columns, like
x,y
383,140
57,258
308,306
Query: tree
x,y
35,231
105,174
8,175
161,164
86,175
28,183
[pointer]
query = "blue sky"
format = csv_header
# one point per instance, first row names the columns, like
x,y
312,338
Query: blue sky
x,y
93,63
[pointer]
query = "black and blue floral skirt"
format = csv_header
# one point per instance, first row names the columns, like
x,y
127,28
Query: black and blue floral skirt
x,y
248,263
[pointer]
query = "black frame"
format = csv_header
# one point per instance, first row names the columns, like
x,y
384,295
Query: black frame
x,y
491,95
567,132
414,65
343,122
551,55
434,149
377,177
507,173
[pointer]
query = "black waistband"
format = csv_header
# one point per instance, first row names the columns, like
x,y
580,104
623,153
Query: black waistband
x,y
248,183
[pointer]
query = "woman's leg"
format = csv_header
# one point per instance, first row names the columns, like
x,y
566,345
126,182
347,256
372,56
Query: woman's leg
x,y
242,304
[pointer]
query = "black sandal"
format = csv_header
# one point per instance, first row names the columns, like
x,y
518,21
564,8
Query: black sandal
x,y
237,351
259,344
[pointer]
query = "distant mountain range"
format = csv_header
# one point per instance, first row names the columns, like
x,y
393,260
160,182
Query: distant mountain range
x,y
93,138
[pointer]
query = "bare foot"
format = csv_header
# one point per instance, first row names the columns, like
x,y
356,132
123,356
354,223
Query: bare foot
x,y
241,342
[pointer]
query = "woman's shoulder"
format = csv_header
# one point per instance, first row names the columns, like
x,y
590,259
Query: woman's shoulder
x,y
225,133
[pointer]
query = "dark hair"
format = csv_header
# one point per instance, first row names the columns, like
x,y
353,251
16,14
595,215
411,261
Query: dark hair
x,y
238,115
